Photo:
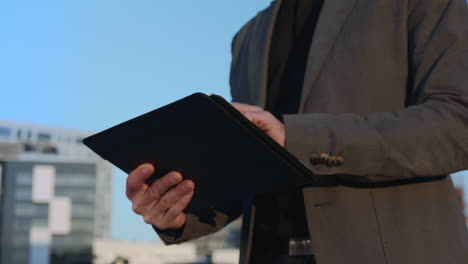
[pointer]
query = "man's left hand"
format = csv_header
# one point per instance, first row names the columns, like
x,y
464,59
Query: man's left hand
x,y
263,120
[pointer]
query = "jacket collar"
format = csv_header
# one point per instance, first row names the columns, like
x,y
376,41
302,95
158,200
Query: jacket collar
x,y
332,17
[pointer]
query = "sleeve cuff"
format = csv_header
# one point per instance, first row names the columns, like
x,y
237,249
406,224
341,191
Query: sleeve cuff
x,y
343,136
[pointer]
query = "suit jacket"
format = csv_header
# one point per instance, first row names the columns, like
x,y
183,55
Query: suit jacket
x,y
386,87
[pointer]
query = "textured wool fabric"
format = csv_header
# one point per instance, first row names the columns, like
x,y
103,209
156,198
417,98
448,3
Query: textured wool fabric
x,y
385,89
282,216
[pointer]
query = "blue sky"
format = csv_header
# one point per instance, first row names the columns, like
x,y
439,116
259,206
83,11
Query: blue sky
x,y
88,64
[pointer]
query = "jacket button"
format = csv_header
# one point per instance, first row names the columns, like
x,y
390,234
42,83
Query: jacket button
x,y
324,158
332,161
339,161
314,159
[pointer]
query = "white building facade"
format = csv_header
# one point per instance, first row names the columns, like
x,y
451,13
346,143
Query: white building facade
x,y
55,195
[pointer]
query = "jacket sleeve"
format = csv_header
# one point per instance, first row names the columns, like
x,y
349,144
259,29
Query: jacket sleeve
x,y
429,137
202,223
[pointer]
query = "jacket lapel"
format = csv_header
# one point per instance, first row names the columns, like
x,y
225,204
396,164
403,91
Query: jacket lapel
x,y
332,17
258,54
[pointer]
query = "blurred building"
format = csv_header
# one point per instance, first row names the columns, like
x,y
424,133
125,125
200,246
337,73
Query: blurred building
x,y
114,252
111,251
460,184
460,195
226,238
55,195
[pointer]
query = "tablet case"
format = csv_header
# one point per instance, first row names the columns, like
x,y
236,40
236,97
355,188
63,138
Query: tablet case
x,y
208,141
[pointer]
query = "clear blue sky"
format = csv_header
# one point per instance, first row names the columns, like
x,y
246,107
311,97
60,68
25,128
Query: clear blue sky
x,y
90,64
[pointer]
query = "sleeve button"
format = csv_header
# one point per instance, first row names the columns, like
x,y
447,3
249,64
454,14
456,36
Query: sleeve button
x,y
332,161
324,158
314,159
339,161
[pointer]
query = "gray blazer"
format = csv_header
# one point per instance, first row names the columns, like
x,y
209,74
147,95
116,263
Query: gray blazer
x,y
386,87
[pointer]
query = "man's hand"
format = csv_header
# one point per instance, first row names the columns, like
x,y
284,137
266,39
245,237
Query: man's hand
x,y
263,120
162,202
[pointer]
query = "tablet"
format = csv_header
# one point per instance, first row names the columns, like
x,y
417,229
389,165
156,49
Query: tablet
x,y
209,142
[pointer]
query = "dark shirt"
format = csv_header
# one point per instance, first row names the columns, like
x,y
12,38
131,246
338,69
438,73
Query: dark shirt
x,y
292,37
279,217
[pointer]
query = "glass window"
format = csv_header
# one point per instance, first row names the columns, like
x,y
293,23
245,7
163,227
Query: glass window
x,y
76,194
72,241
1,177
24,210
20,239
82,210
75,180
37,222
5,131
23,179
41,136
22,224
20,255
31,210
23,194
82,226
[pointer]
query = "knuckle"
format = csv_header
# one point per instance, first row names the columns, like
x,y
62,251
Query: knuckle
x,y
257,108
161,185
128,194
187,198
137,209
162,226
165,203
153,192
180,191
170,214
128,186
148,219
158,207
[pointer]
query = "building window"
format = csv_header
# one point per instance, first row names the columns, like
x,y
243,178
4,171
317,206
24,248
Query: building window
x,y
23,195
24,179
18,134
5,131
1,177
43,137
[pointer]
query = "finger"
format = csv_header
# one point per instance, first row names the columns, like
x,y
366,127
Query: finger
x,y
155,191
268,124
179,206
258,118
174,223
171,197
161,185
246,108
174,217
136,180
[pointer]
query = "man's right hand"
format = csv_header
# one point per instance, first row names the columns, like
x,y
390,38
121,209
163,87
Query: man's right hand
x,y
162,202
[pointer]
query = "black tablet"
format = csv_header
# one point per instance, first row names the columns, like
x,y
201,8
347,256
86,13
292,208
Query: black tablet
x,y
208,141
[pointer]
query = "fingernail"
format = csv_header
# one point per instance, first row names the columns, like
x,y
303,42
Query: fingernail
x,y
145,171
175,178
188,186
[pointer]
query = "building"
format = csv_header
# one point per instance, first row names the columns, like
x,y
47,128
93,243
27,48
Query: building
x,y
113,252
460,195
55,195
227,238
460,184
